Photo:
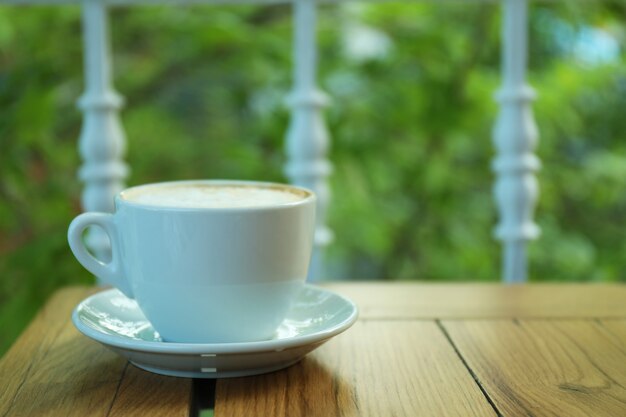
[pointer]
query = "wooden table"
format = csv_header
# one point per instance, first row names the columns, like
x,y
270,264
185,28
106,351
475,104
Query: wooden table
x,y
416,350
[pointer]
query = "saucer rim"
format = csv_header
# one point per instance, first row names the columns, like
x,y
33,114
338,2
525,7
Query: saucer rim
x,y
319,336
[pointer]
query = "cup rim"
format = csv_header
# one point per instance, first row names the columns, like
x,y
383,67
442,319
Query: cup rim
x,y
309,197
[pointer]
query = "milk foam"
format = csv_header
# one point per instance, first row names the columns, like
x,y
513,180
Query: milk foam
x,y
210,196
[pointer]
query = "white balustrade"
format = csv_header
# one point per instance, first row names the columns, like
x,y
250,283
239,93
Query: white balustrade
x,y
515,137
307,138
102,142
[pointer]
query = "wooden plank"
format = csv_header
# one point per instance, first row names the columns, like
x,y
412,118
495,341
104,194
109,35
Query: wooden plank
x,y
147,394
396,368
53,370
385,300
546,367
76,377
616,329
33,345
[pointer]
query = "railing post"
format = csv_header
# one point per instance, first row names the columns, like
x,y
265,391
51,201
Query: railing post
x,y
307,139
102,141
515,138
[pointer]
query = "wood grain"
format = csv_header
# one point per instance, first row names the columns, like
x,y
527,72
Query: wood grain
x,y
616,330
76,377
398,368
34,343
145,393
391,300
53,370
547,367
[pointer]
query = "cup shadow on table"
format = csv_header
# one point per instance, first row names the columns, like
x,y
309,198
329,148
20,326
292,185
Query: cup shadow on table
x,y
307,388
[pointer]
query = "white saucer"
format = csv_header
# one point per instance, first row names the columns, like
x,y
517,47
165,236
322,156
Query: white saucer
x,y
116,321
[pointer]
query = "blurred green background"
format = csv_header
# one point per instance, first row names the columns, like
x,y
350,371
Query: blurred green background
x,y
411,121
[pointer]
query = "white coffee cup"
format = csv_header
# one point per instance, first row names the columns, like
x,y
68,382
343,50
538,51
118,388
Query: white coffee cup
x,y
225,270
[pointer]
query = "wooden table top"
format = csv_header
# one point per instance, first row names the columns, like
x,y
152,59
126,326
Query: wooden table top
x,y
416,350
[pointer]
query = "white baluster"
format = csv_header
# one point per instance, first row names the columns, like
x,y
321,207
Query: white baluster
x,y
307,138
102,141
515,137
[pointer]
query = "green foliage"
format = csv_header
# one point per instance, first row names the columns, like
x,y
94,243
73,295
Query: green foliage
x,y
411,130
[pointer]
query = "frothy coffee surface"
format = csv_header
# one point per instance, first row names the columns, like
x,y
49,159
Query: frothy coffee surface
x,y
210,196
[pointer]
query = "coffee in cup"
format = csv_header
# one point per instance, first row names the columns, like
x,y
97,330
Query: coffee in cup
x,y
207,195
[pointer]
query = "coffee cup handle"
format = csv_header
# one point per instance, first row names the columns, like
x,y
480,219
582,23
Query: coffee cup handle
x,y
112,272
